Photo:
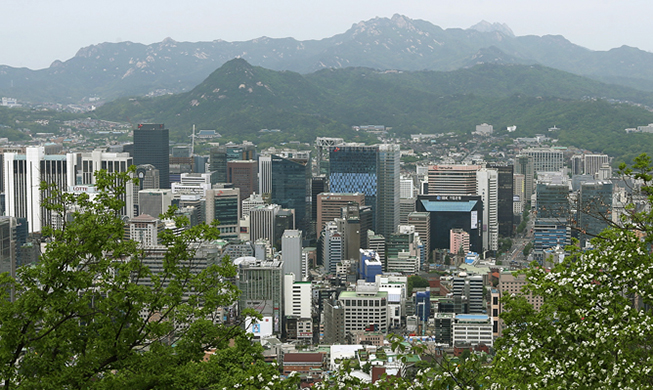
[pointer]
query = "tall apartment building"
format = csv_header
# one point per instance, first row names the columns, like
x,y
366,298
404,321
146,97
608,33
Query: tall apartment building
x,y
151,146
297,297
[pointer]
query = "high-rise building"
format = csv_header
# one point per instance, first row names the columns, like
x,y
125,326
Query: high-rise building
x,y
243,174
472,288
388,191
422,223
450,212
594,162
112,162
148,178
223,204
291,253
372,170
594,209
452,179
261,286
8,254
488,188
364,307
262,221
23,175
553,201
218,164
264,174
329,206
505,198
249,203
291,180
546,159
459,241
154,202
333,247
524,165
519,193
406,206
297,297
151,146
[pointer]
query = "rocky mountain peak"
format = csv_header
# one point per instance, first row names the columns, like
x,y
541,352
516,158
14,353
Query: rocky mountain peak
x,y
485,27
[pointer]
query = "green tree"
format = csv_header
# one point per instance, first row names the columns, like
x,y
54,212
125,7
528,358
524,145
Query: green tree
x,y
416,281
79,318
594,329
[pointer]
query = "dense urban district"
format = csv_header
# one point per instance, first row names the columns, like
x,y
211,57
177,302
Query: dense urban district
x,y
143,254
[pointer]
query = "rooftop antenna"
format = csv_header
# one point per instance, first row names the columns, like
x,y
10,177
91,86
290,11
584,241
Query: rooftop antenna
x,y
192,147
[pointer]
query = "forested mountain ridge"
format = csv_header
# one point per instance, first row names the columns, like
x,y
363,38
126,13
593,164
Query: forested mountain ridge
x,y
238,100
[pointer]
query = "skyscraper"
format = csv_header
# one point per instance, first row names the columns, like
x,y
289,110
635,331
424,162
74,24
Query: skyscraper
x,y
374,171
389,189
291,180
151,146
505,198
594,209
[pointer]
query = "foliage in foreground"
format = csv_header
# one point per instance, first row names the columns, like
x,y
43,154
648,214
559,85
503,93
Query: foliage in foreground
x,y
595,328
80,318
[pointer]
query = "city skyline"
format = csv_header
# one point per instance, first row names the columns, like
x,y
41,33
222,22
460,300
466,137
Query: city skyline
x,y
41,32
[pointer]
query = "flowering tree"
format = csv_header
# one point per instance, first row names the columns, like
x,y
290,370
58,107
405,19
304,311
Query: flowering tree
x,y
595,328
80,318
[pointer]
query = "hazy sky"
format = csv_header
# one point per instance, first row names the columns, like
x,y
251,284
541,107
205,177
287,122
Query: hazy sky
x,y
36,32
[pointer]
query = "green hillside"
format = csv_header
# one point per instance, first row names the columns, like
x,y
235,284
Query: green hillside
x,y
238,100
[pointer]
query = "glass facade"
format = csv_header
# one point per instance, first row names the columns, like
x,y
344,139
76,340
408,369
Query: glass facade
x,y
151,146
291,180
354,169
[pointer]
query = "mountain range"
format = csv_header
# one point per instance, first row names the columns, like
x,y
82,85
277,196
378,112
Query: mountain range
x,y
239,99
113,70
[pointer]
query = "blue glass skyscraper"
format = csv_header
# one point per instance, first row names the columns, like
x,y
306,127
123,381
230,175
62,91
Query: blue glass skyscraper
x,y
374,171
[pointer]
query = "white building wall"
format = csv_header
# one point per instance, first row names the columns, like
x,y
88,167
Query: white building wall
x,y
488,188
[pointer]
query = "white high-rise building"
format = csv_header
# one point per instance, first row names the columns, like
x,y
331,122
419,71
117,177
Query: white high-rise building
x,y
297,297
488,188
249,203
22,176
261,222
406,191
154,202
111,162
292,256
334,247
546,159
